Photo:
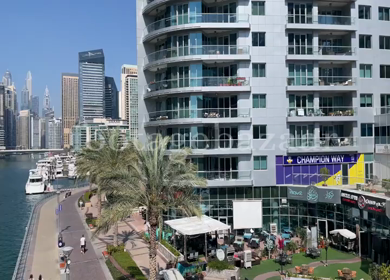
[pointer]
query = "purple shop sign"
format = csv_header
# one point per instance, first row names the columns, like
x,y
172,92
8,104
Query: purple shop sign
x,y
320,159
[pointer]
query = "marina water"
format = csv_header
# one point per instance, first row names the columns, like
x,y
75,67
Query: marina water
x,y
15,207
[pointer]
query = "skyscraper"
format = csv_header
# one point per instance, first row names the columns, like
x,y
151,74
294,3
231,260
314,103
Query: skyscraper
x,y
110,99
2,116
91,84
24,129
11,112
53,133
46,102
35,105
25,99
129,98
7,79
29,84
35,132
70,105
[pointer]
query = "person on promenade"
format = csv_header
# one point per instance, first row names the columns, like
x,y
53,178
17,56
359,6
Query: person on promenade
x,y
82,244
40,277
31,277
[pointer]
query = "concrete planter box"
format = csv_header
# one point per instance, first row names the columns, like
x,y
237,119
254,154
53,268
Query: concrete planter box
x,y
168,254
224,274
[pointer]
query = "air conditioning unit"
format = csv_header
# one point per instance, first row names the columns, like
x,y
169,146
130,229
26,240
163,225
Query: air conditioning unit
x,y
359,186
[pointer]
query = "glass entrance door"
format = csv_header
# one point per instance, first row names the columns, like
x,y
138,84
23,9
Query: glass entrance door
x,y
344,173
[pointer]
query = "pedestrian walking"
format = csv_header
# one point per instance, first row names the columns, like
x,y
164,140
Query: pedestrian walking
x,y
40,277
82,244
31,277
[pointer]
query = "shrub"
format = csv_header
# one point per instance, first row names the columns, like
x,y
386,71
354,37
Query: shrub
x,y
292,246
80,199
116,274
91,221
87,197
219,266
113,249
386,184
170,248
128,264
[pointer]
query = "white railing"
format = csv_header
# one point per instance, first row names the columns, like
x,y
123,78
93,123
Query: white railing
x,y
213,144
321,81
198,82
332,111
226,175
206,113
323,142
196,50
320,19
196,18
320,50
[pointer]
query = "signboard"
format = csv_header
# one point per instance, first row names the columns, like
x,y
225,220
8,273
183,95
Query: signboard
x,y
314,237
313,194
273,228
320,159
220,254
364,202
382,149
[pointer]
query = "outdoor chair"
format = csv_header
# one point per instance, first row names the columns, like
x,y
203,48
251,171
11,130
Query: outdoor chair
x,y
340,273
196,255
311,270
353,274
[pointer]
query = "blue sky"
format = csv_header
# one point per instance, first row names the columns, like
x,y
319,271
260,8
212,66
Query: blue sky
x,y
45,36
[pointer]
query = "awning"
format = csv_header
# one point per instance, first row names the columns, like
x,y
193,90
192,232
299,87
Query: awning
x,y
195,225
344,232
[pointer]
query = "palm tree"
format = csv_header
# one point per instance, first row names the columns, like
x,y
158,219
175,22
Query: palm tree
x,y
155,180
102,157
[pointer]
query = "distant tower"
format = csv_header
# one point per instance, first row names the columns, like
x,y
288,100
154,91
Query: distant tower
x,y
46,102
7,79
29,88
35,105
25,101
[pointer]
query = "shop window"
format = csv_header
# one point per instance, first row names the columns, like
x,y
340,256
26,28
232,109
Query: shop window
x,y
257,192
274,191
248,192
284,211
266,211
239,192
266,192
222,193
266,203
283,192
213,193
231,193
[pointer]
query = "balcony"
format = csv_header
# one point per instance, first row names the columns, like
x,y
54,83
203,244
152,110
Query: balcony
x,y
219,52
205,115
213,146
323,144
321,22
227,178
199,84
322,83
196,21
332,114
345,53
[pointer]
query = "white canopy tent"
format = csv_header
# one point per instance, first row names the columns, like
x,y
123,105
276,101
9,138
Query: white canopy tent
x,y
196,226
344,232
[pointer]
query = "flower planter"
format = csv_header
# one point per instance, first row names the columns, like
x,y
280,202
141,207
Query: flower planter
x,y
62,265
105,254
224,274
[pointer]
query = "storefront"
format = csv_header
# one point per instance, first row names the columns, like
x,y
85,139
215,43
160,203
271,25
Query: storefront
x,y
330,169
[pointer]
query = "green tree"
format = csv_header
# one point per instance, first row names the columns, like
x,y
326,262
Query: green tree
x,y
155,180
302,233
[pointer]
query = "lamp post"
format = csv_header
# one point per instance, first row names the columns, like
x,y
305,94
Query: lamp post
x,y
326,250
67,251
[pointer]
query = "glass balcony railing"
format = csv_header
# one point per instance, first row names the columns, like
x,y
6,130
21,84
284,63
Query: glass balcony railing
x,y
196,50
196,18
226,175
211,144
206,113
320,50
321,81
320,19
323,142
198,82
341,111
382,110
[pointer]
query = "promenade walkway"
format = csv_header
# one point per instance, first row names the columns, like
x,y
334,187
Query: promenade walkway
x,y
267,275
84,266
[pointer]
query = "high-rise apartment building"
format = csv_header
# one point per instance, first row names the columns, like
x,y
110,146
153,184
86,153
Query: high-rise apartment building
x,y
7,79
24,129
25,99
268,95
42,124
35,131
35,105
91,84
29,85
11,113
46,102
2,116
110,99
53,133
70,105
129,97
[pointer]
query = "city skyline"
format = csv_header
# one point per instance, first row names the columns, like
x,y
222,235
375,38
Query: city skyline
x,y
56,56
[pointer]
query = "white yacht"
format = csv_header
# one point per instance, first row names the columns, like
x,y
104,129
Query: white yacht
x,y
72,174
59,173
59,164
35,183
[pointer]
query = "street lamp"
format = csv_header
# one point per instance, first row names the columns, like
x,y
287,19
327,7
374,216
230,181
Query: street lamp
x,y
326,250
67,251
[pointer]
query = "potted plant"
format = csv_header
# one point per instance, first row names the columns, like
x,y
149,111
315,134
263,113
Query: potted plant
x,y
291,246
386,186
302,234
264,254
324,172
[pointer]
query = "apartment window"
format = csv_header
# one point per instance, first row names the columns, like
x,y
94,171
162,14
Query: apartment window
x,y
384,42
260,132
365,71
258,8
365,41
365,100
258,39
384,71
366,129
258,101
260,163
364,12
258,70
384,13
